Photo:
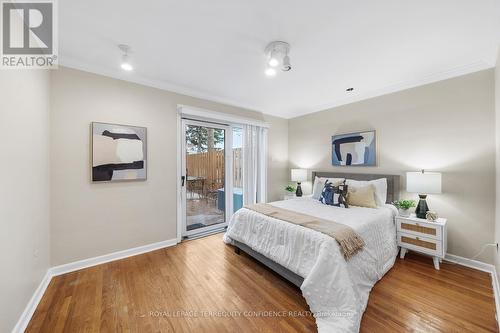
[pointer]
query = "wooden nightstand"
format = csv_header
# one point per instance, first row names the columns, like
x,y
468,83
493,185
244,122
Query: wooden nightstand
x,y
422,236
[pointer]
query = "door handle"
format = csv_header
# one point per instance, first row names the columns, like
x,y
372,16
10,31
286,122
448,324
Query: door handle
x,y
183,178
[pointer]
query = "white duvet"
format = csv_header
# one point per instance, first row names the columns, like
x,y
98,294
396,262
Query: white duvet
x,y
336,291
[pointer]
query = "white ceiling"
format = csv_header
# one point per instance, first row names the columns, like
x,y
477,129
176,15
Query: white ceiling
x,y
214,49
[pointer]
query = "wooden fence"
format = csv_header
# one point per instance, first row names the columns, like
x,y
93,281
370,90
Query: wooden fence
x,y
210,166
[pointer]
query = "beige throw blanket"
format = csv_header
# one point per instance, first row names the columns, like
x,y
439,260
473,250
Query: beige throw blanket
x,y
350,242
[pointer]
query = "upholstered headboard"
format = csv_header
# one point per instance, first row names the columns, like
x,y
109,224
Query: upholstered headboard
x,y
392,180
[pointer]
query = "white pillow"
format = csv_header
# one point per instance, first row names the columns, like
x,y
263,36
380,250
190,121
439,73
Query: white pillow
x,y
380,188
319,184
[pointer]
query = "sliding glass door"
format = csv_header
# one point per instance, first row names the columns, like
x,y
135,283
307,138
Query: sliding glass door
x,y
207,165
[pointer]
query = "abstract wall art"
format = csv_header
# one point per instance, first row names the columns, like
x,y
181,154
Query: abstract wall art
x,y
356,149
118,152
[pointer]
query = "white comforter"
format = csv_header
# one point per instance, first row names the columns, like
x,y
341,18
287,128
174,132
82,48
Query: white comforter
x,y
336,291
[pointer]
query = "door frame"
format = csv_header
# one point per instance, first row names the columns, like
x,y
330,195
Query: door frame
x,y
192,112
228,176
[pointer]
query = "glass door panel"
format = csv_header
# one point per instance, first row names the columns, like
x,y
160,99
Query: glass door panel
x,y
205,171
237,168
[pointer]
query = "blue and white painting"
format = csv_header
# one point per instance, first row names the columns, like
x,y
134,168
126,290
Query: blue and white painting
x,y
357,149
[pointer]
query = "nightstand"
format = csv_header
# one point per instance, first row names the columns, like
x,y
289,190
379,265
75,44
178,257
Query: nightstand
x,y
289,196
422,236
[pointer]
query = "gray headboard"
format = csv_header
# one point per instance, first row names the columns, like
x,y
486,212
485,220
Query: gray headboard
x,y
392,180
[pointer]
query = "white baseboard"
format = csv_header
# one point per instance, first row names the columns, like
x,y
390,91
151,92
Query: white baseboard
x,y
25,318
482,267
75,266
81,264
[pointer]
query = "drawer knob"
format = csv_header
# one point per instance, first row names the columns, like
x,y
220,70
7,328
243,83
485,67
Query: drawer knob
x,y
416,238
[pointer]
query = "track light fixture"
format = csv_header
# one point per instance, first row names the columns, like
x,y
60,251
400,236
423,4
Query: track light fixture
x,y
277,57
125,64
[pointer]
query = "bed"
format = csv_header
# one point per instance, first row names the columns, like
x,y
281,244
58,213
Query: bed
x,y
336,290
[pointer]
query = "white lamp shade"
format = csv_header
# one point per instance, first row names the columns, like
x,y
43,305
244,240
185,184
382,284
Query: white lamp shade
x,y
423,182
299,175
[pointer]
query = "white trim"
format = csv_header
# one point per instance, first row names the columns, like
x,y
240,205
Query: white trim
x,y
496,291
30,308
481,266
28,312
198,93
153,83
77,265
179,189
392,88
208,115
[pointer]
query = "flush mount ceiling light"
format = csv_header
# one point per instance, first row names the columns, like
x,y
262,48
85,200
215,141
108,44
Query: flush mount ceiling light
x,y
125,65
277,57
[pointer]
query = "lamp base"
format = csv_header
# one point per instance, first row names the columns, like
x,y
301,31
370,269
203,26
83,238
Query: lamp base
x,y
422,207
299,190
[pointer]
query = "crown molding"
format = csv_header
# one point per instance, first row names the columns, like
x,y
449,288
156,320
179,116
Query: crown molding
x,y
404,85
196,93
133,77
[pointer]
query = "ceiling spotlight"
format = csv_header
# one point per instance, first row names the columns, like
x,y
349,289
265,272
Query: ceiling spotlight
x,y
270,71
273,62
125,65
277,53
286,64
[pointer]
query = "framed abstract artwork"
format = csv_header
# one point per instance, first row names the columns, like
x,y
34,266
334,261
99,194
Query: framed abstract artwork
x,y
119,152
354,149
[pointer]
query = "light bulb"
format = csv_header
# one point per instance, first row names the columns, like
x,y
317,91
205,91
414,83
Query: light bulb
x,y
273,62
270,72
126,66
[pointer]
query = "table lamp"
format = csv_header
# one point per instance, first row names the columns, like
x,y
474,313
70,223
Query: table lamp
x,y
299,175
423,183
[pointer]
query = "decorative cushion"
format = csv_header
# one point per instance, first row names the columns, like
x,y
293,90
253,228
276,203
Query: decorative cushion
x,y
334,195
319,184
362,196
379,184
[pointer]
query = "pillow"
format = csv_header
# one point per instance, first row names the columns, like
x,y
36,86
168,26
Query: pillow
x,y
379,184
319,184
334,195
362,196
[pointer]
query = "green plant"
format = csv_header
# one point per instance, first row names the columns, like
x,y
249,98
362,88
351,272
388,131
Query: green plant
x,y
404,204
290,188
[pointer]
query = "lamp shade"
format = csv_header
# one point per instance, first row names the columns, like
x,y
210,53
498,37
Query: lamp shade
x,y
299,175
423,182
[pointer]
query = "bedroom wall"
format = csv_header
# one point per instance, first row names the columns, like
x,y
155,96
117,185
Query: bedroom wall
x,y
278,175
447,126
497,127
94,219
24,193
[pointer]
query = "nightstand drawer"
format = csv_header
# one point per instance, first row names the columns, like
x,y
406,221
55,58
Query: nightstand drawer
x,y
422,244
424,229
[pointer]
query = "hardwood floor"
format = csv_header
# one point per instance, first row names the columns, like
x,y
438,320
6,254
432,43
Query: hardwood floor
x,y
145,294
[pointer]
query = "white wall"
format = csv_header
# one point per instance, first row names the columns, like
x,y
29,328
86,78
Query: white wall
x,y
24,193
278,173
90,219
448,126
497,128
